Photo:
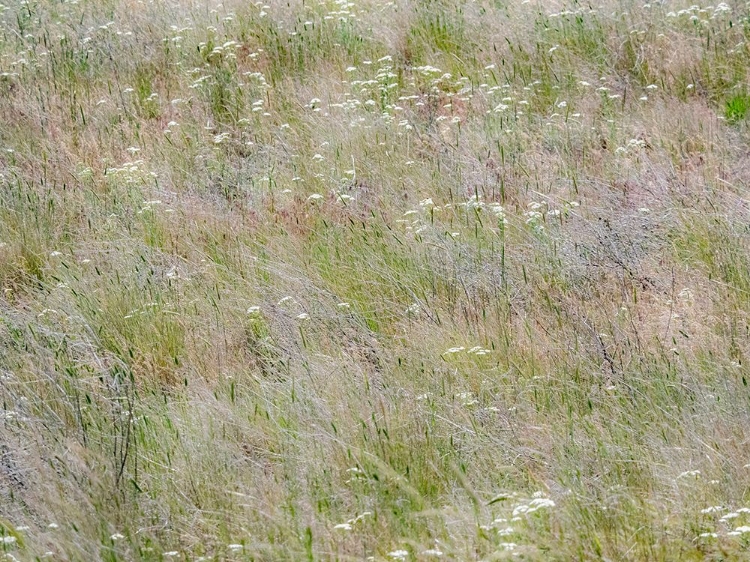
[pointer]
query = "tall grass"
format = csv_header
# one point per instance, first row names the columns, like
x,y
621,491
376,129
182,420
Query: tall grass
x,y
386,281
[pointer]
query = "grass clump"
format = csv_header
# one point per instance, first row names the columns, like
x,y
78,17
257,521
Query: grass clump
x,y
737,107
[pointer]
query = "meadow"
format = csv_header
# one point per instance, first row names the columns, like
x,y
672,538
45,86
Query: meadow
x,y
388,280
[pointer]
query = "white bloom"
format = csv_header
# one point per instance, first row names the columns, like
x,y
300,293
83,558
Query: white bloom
x,y
343,526
539,503
534,505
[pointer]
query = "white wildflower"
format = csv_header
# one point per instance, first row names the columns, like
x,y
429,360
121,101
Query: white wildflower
x,y
534,505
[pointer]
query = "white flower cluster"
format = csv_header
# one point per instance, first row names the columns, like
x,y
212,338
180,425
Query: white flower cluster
x,y
694,12
633,146
349,525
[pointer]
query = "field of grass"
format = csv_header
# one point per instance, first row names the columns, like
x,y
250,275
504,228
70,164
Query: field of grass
x,y
389,280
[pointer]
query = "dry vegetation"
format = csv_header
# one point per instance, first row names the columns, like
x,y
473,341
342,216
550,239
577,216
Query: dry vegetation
x,y
383,280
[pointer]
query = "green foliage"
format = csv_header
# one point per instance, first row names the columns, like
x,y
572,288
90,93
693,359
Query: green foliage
x,y
736,108
439,28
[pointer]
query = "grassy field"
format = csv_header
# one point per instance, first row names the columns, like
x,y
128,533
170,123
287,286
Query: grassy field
x,y
375,280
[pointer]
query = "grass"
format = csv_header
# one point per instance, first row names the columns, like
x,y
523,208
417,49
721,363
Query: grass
x,y
385,281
